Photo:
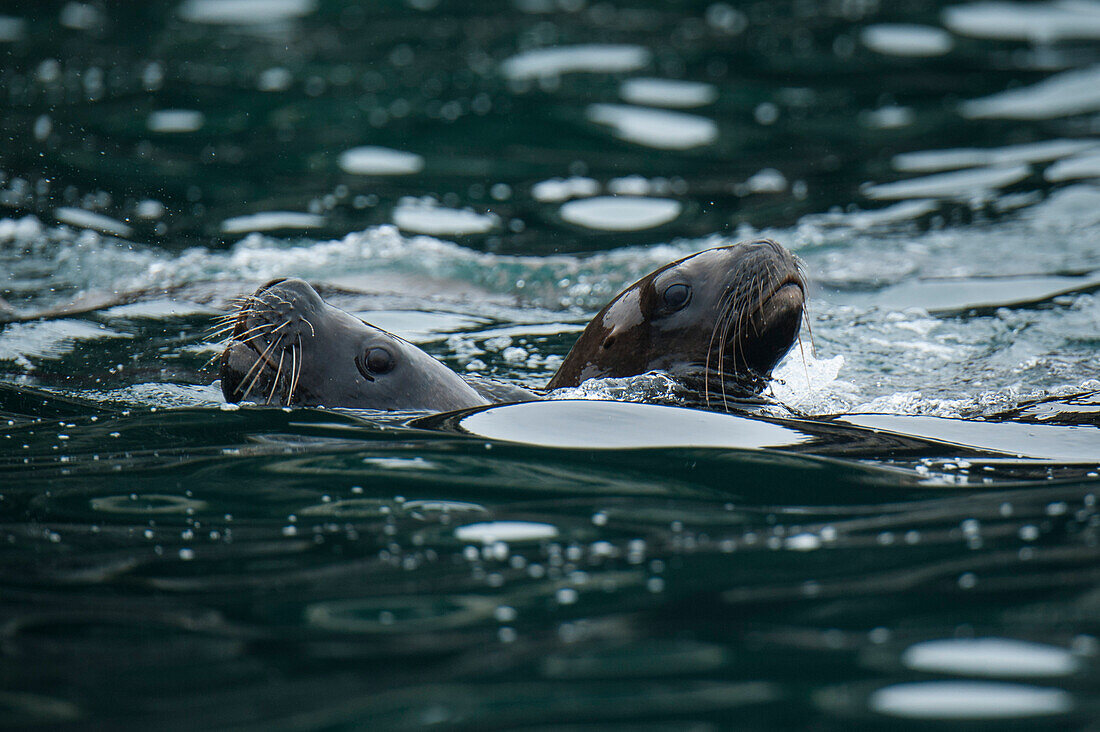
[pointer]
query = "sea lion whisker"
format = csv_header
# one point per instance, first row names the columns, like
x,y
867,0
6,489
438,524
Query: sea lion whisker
x,y
727,297
295,368
211,360
312,330
261,359
278,373
736,347
216,335
278,300
227,319
805,366
254,332
809,329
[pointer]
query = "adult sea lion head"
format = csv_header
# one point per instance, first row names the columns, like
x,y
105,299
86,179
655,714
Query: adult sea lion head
x,y
290,347
719,320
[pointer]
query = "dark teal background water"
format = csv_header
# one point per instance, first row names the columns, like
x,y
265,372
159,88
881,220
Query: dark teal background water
x,y
171,563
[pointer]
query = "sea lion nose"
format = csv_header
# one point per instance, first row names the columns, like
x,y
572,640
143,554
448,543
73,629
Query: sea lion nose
x,y
292,293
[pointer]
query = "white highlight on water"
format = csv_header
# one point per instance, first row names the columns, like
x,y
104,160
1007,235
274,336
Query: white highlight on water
x,y
424,218
958,184
88,220
373,160
175,120
556,190
493,531
969,700
667,92
992,657
1083,166
1062,95
935,161
596,58
1038,22
244,12
271,221
656,128
621,213
907,40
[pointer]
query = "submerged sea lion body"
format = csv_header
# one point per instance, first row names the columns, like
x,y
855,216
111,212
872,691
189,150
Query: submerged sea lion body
x,y
718,321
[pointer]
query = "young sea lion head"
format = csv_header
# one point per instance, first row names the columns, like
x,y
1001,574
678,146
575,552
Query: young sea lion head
x,y
719,320
290,347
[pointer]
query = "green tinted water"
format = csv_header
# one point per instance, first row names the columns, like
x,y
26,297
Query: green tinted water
x,y
174,564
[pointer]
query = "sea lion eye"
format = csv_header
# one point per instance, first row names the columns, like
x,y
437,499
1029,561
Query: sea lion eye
x,y
379,361
374,361
676,296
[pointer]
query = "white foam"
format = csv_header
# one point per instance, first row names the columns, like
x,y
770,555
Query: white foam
x,y
656,128
595,58
175,120
992,657
371,160
89,220
621,213
1064,94
493,531
1038,22
244,12
959,184
809,384
973,700
48,339
271,221
423,218
667,92
907,40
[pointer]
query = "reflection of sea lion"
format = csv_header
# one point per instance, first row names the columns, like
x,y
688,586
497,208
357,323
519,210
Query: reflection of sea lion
x,y
718,320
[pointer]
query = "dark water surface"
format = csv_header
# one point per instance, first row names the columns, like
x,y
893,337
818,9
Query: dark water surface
x,y
871,549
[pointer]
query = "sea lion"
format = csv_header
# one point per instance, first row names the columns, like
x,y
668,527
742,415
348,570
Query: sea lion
x,y
290,347
718,320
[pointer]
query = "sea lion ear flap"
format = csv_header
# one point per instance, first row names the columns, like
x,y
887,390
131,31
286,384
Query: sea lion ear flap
x,y
624,313
609,340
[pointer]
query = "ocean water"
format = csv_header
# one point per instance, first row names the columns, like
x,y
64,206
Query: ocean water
x,y
874,548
